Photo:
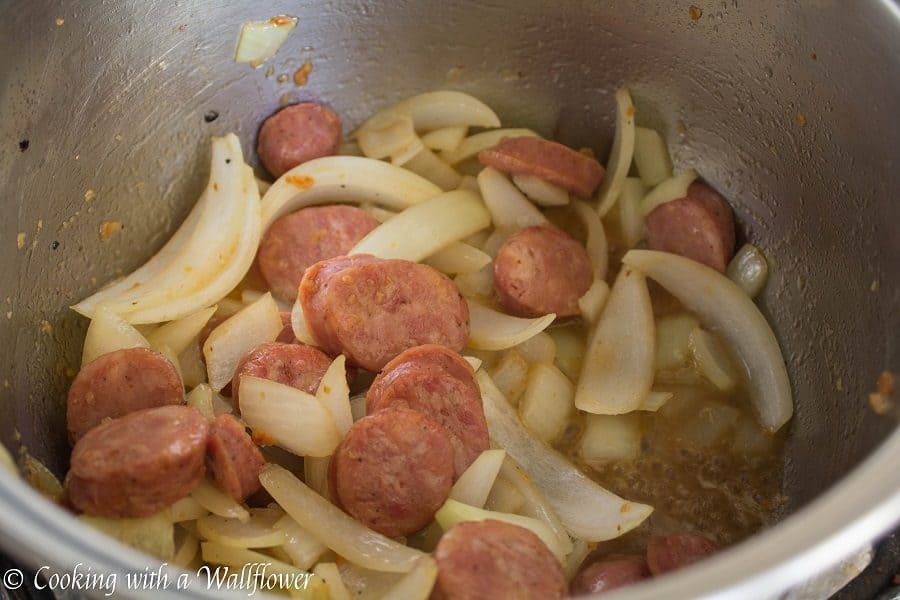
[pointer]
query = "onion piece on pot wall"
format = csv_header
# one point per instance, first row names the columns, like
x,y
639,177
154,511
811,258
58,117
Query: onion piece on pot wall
x,y
620,155
586,510
260,40
724,308
617,371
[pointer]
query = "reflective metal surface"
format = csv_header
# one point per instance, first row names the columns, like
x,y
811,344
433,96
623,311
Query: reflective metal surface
x,y
787,107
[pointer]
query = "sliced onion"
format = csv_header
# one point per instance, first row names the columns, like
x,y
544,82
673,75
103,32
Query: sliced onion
x,y
337,530
511,375
193,369
366,584
608,438
592,302
301,546
459,258
620,156
426,163
249,296
437,110
672,335
472,145
493,330
618,367
541,191
299,325
474,362
381,214
586,510
315,474
219,554
260,40
334,394
631,221
186,547
344,179
538,349
749,270
186,509
109,332
508,206
651,157
230,341
201,398
546,406
423,229
288,417
154,535
178,334
6,461
453,512
535,504
228,307
474,485
447,139
725,309
655,400
674,188
415,585
387,136
711,359
218,503
256,532
329,573
580,551
596,245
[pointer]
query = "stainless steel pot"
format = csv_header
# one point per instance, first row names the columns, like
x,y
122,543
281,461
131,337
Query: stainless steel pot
x,y
789,108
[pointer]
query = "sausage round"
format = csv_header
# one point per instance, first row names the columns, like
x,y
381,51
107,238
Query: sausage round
x,y
233,459
672,552
439,383
296,241
297,134
478,560
118,383
296,365
542,270
136,465
699,226
393,471
550,161
609,574
373,309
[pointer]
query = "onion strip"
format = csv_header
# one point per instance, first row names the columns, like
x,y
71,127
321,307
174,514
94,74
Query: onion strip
x,y
474,485
493,330
508,206
671,189
621,154
437,110
459,258
178,334
107,333
596,245
415,585
474,144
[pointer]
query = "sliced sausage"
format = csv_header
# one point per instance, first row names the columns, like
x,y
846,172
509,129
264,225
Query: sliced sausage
x,y
699,226
481,560
609,574
541,270
672,552
296,241
550,161
136,465
438,382
296,365
373,309
233,459
393,471
117,383
296,134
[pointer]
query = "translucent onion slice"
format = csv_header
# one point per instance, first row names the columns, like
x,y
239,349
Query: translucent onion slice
x,y
201,398
426,163
423,229
154,535
249,296
6,461
453,512
178,334
447,139
344,179
540,191
725,309
299,325
437,110
260,40
596,244
255,532
109,332
505,497
592,302
631,221
472,145
301,546
586,510
508,206
475,362
218,503
231,340
671,189
749,270
655,400
474,485
539,349
315,474
458,258
334,394
219,554
288,417
337,530
493,330
546,406
381,214
415,585
329,573
387,136
620,156
535,504
186,509
193,369
651,157
711,359
618,366
608,438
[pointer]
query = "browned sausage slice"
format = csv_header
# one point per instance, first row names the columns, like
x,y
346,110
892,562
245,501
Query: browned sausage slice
x,y
481,560
296,241
139,464
672,552
550,161
542,270
117,383
393,471
375,309
438,382
296,365
699,226
609,574
296,134
233,459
